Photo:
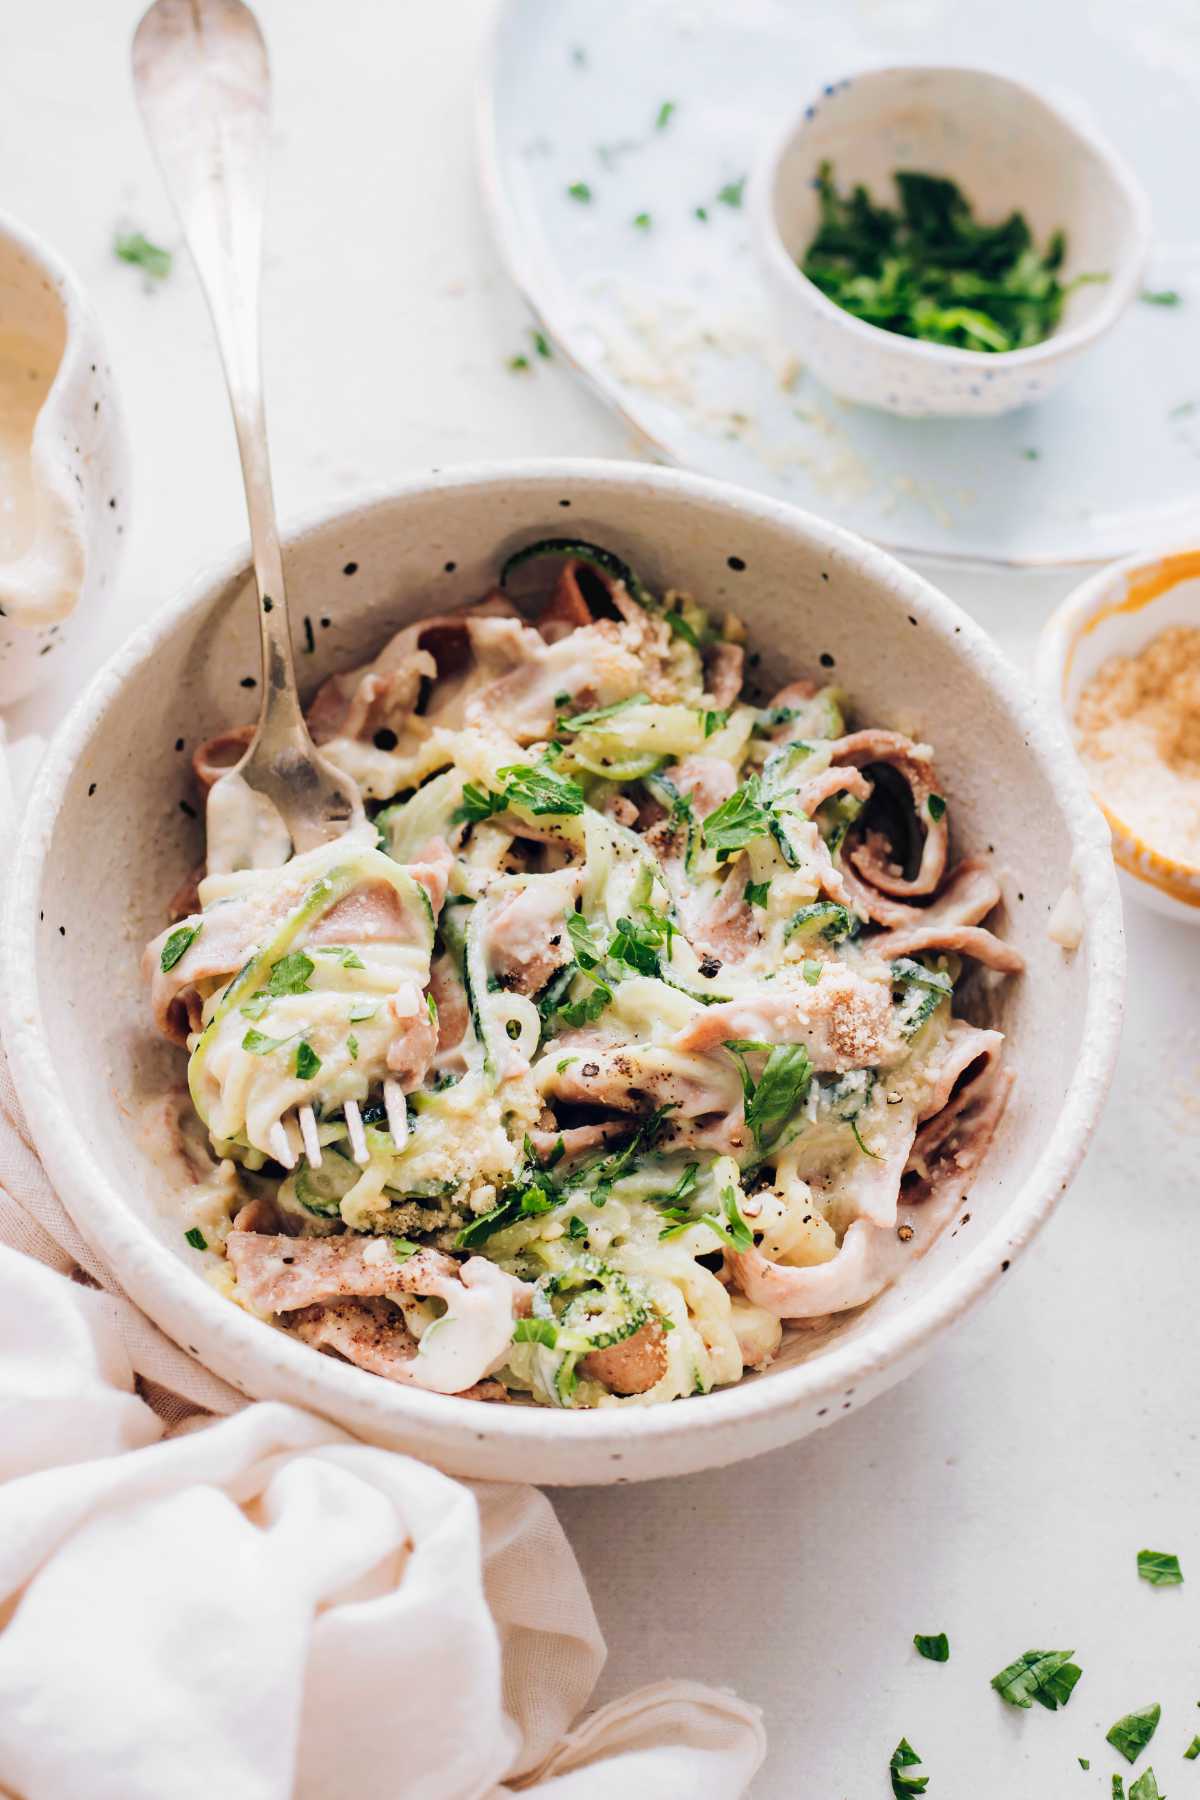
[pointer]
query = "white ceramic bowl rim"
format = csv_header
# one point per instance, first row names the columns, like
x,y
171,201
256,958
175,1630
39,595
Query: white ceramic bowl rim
x,y
124,1243
1064,627
1117,289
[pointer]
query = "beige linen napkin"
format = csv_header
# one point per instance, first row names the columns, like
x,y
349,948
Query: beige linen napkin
x,y
259,1606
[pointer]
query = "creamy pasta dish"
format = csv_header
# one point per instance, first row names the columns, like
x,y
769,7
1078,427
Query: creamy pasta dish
x,y
625,1028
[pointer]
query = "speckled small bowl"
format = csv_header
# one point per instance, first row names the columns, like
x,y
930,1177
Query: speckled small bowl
x,y
1008,147
110,831
1117,613
77,462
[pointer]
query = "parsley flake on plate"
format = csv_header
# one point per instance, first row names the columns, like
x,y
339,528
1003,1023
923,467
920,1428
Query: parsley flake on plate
x,y
1047,1676
935,1648
579,190
1132,1732
905,1757
308,1063
134,247
1145,1787
291,974
198,1241
1159,1567
1192,1751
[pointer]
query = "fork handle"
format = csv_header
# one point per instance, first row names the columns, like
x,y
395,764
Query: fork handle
x,y
204,88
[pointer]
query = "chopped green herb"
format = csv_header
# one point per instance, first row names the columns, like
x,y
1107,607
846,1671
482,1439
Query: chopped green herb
x,y
518,363
579,190
1159,1567
177,945
935,1648
758,893
1131,1733
535,1331
477,803
731,194
360,1013
291,974
701,213
196,1238
905,1757
773,1098
1030,454
588,953
133,247
937,807
733,824
822,918
714,721
308,1063
680,628
577,721
858,1138
1047,1676
813,972
1192,1751
352,1047
663,116
1145,1787
539,790
1161,296
349,959
1083,1762
256,1005
576,1227
403,1248
541,344
1118,1788
641,221
259,1044
931,270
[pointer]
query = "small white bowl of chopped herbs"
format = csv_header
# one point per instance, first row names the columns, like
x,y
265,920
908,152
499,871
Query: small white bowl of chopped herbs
x,y
945,241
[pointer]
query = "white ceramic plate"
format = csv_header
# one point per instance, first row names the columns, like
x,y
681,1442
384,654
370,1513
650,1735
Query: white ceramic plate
x,y
105,842
669,321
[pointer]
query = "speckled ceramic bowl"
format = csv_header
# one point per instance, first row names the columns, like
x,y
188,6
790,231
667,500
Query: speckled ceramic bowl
x,y
1117,613
68,485
1008,147
107,839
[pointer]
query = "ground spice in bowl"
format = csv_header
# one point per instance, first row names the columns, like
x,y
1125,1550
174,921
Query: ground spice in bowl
x,y
1137,725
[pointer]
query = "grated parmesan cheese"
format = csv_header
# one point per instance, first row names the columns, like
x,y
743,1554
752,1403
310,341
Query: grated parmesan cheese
x,y
1138,733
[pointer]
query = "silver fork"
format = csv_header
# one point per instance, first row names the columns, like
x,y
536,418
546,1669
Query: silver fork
x,y
204,88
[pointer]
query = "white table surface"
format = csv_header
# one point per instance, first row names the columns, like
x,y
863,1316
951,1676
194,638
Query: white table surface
x,y
1002,1492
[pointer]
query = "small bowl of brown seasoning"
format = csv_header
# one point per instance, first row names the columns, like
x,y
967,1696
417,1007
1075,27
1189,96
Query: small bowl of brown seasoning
x,y
1120,658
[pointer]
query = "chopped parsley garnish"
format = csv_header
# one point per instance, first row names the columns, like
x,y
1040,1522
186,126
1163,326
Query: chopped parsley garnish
x,y
937,807
541,344
1192,1751
1145,1787
535,1331
757,893
196,1238
935,1648
536,789
349,959
858,1138
308,1063
177,945
1047,1676
259,1044
731,194
714,721
1131,1733
576,1227
905,1757
813,972
1118,1788
680,628
1083,1762
578,721
738,820
663,117
641,221
360,1013
579,190
588,953
133,247
291,974
1161,296
931,270
352,1047
1159,1567
403,1248
773,1098
519,363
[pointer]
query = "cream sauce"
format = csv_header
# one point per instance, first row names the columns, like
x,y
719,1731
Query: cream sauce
x,y
27,370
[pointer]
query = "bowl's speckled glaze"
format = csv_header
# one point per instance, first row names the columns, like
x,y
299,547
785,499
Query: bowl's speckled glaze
x,y
106,840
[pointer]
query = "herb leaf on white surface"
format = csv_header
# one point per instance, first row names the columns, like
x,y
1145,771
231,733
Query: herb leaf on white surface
x,y
1047,1676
